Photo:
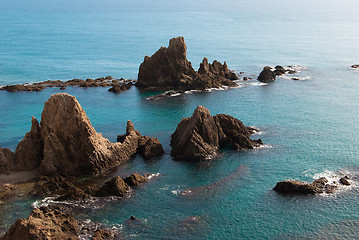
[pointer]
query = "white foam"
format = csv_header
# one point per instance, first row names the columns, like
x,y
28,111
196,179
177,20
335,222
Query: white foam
x,y
153,175
264,146
176,192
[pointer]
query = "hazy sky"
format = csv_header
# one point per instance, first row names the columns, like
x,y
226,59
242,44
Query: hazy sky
x,y
169,5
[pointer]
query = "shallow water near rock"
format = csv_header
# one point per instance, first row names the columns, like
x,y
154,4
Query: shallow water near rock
x,y
309,127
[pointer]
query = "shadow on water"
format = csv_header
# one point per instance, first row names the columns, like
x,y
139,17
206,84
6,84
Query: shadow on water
x,y
211,189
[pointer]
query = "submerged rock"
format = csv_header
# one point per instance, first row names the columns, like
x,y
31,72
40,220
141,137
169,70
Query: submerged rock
x,y
200,136
169,68
267,75
44,223
300,187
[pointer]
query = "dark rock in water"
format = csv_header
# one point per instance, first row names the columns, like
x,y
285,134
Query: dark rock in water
x,y
291,71
279,70
355,66
135,180
245,79
299,187
114,187
295,78
267,75
120,88
169,68
52,185
150,147
104,234
44,223
199,136
344,181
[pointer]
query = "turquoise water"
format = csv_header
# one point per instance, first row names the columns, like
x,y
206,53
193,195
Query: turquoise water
x,y
310,126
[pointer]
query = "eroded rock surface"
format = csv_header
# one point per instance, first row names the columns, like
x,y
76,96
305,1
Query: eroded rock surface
x,y
169,68
200,136
44,223
150,147
65,142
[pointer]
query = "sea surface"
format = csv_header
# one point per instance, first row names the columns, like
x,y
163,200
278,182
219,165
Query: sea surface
x,y
310,127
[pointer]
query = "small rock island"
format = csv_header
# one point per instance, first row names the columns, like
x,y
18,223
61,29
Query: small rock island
x,y
169,68
200,136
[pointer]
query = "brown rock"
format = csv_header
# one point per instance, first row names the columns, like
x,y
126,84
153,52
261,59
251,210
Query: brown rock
x,y
120,88
28,153
104,234
150,147
7,158
267,75
199,136
5,190
135,180
299,187
52,185
72,145
44,223
355,66
114,187
169,68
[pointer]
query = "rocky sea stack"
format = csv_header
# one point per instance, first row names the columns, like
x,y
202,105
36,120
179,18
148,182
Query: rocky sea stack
x,y
65,142
200,136
169,68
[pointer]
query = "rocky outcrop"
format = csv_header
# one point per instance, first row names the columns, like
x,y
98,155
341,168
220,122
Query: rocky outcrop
x,y
344,181
104,234
44,223
114,187
355,66
169,68
7,158
267,75
5,190
135,180
279,70
200,136
72,145
120,88
66,143
28,153
300,187
39,86
150,147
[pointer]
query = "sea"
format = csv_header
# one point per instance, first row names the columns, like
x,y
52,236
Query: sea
x,y
309,127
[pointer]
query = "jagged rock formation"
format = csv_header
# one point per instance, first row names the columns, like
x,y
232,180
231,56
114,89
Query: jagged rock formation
x,y
199,136
66,143
119,186
267,75
44,223
169,68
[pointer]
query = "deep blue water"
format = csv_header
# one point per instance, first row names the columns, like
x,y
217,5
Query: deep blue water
x,y
311,125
